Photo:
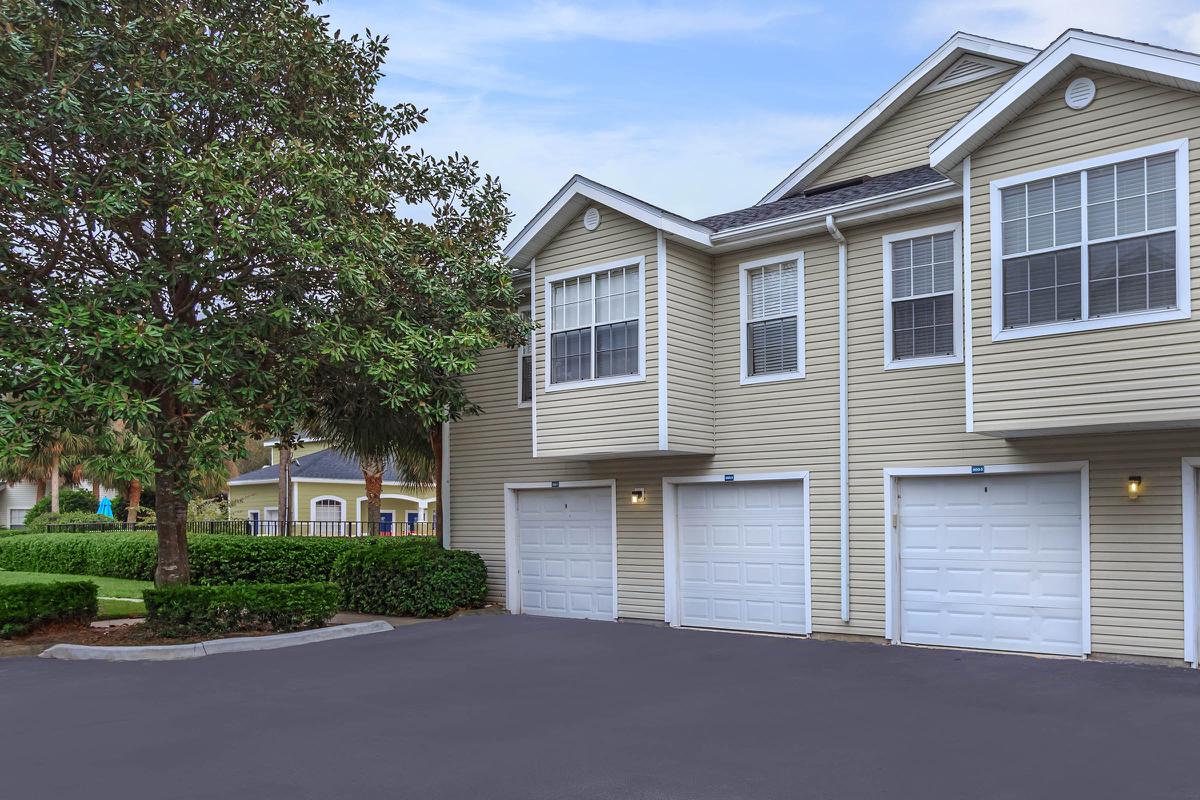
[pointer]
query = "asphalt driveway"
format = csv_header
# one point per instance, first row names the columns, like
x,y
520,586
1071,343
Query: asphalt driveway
x,y
494,707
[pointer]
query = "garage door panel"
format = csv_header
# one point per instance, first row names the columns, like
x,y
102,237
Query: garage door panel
x,y
565,541
1009,577
742,557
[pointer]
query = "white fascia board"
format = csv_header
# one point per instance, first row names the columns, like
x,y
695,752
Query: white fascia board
x,y
1071,50
870,208
909,86
580,189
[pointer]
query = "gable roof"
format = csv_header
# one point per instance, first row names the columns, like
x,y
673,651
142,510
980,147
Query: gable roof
x,y
329,465
575,196
1074,49
882,109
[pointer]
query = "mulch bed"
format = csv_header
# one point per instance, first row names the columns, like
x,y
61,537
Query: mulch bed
x,y
135,635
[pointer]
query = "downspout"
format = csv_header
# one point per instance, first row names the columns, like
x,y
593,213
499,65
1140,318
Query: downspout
x,y
843,417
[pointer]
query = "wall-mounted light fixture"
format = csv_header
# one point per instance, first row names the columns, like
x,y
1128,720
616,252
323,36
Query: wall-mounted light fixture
x,y
1134,487
638,497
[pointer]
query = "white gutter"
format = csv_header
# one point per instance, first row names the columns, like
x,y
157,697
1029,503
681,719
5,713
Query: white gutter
x,y
843,417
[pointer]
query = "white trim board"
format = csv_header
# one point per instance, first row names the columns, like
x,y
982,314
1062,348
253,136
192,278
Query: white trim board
x,y
660,251
1191,561
891,580
1072,50
512,547
1183,272
671,596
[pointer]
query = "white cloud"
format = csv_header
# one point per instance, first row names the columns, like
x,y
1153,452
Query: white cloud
x,y
456,44
691,167
1036,23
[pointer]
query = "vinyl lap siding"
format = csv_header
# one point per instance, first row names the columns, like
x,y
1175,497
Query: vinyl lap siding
x,y
689,350
903,141
588,420
916,417
788,425
1119,376
22,494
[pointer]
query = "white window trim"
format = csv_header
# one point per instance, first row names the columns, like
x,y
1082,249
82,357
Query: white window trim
x,y
889,361
522,351
548,332
312,506
1183,266
744,318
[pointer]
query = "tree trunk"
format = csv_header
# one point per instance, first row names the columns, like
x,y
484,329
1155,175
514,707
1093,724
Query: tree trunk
x,y
285,489
96,491
134,501
439,516
372,470
41,489
171,510
55,477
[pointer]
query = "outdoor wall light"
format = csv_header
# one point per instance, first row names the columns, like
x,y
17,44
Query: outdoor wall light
x,y
1134,487
638,497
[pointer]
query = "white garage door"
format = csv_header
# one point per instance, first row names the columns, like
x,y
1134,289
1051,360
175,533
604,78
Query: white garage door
x,y
992,562
565,538
742,556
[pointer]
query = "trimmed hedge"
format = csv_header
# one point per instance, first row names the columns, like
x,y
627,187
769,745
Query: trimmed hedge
x,y
214,558
66,518
410,577
24,606
203,610
70,501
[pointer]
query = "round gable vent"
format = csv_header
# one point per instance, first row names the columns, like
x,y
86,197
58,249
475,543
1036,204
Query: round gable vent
x,y
591,219
1080,93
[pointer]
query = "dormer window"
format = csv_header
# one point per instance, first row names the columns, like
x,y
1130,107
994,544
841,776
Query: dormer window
x,y
595,326
1095,244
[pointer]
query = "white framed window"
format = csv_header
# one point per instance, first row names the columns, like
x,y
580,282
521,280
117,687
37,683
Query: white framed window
x,y
595,325
16,517
525,367
772,318
922,297
1099,243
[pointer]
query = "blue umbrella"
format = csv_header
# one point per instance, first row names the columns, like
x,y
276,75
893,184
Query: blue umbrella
x,y
105,509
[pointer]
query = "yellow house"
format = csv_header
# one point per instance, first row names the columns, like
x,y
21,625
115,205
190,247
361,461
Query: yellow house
x,y
328,488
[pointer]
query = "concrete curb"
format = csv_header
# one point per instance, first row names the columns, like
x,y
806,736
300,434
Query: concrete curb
x,y
239,644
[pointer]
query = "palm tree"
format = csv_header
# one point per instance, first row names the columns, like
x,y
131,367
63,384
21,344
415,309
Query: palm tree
x,y
51,463
355,419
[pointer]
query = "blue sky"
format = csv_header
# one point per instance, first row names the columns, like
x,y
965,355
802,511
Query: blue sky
x,y
699,107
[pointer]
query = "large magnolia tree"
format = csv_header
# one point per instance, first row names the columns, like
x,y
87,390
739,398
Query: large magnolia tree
x,y
201,201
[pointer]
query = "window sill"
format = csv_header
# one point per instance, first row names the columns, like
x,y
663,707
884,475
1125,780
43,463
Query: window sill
x,y
929,361
614,381
749,380
1099,323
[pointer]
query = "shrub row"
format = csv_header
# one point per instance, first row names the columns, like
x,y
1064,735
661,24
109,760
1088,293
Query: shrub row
x,y
412,577
40,524
205,610
214,558
24,606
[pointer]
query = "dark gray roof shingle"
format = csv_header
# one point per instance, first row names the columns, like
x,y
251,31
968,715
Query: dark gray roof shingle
x,y
321,465
871,187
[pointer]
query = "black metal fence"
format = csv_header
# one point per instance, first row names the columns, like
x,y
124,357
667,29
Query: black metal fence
x,y
247,527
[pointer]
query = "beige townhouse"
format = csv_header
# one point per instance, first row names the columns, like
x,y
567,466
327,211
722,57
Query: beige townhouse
x,y
938,387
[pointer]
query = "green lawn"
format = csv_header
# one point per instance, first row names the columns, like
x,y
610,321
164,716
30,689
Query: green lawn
x,y
130,591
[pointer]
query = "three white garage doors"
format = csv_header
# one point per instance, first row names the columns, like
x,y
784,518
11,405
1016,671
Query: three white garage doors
x,y
989,562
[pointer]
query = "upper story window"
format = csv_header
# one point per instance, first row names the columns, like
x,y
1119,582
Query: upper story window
x,y
525,366
922,286
595,330
772,319
1095,244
